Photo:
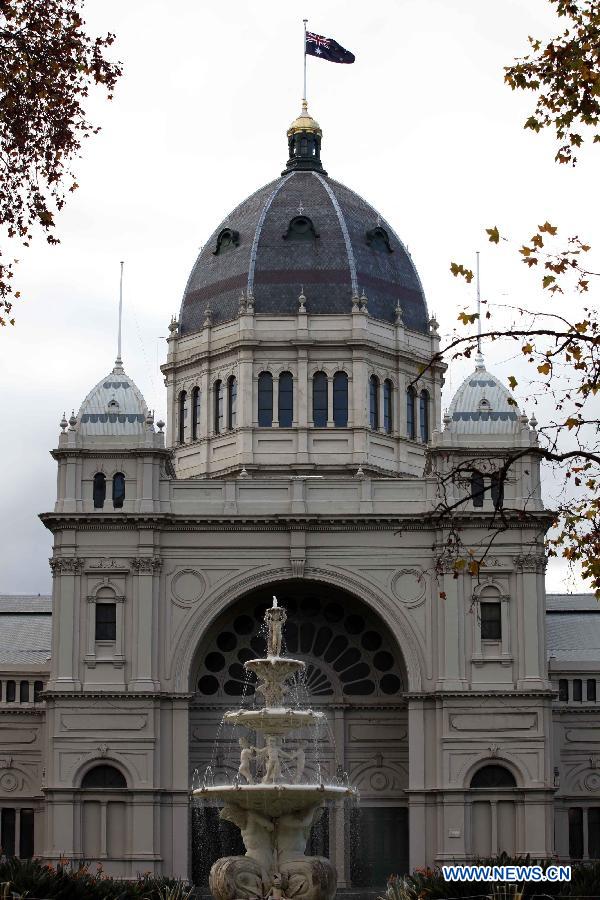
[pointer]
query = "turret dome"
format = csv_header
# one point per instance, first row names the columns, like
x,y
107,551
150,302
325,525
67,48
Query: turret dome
x,y
115,406
482,405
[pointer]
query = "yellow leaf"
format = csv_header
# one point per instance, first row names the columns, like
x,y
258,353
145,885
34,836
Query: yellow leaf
x,y
512,381
494,234
547,280
551,229
544,369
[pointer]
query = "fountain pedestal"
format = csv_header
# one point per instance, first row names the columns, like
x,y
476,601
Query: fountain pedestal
x,y
274,815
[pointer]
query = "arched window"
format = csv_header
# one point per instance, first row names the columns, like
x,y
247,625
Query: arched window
x,y
118,490
218,406
477,488
424,415
182,414
265,399
340,400
497,490
374,402
103,778
300,228
24,692
388,393
106,622
99,490
411,425
493,776
320,407
195,412
11,691
231,402
38,687
285,411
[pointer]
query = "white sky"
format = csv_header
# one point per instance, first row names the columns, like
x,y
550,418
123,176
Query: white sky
x,y
421,125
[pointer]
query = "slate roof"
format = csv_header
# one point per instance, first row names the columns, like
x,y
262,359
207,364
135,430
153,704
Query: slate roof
x,y
573,628
330,268
25,629
482,405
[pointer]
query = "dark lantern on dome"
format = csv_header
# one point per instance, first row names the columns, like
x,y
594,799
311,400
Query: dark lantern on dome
x,y
304,144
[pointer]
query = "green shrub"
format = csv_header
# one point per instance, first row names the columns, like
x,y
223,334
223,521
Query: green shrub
x,y
75,881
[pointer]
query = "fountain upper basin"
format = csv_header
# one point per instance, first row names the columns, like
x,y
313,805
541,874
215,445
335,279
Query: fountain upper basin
x,y
275,720
276,799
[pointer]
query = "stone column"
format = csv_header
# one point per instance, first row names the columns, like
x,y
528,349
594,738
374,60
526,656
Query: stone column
x,y
146,568
275,401
66,573
330,422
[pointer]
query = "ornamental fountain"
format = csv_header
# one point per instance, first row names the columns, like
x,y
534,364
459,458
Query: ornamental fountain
x,y
274,809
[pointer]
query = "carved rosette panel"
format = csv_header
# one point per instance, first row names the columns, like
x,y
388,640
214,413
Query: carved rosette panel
x,y
11,780
67,565
146,565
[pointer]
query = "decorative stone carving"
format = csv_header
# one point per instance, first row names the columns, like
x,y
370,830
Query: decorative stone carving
x,y
146,564
531,562
106,563
9,782
66,565
6,762
297,566
103,750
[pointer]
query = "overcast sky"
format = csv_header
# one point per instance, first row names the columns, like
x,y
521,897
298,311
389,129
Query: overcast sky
x,y
421,125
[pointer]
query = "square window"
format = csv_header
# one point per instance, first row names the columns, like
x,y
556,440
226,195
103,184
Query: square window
x,y
491,622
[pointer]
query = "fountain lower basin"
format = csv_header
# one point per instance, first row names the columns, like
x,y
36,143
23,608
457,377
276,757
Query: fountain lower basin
x,y
276,800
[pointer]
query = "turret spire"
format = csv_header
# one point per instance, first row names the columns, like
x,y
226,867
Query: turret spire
x,y
118,361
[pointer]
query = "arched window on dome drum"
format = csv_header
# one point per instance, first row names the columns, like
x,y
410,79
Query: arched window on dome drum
x,y
103,778
424,415
38,687
195,412
388,393
24,692
285,411
99,490
11,691
411,424
182,414
218,406
374,402
231,402
118,490
265,400
320,406
493,776
340,400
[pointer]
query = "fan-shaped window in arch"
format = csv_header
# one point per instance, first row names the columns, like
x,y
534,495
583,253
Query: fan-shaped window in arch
x,y
424,415
388,393
265,400
231,402
103,778
182,416
378,239
99,490
285,401
320,405
195,412
493,776
219,403
301,228
118,490
346,652
374,402
411,423
227,239
340,400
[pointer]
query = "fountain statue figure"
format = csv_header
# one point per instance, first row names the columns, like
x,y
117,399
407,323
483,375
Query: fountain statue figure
x,y
274,814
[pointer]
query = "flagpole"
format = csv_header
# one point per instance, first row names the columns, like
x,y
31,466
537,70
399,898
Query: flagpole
x,y
304,48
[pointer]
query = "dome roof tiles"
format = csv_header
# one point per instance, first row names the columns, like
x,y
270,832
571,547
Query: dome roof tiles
x,y
338,261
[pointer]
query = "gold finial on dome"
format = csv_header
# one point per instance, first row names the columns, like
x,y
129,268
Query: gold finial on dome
x,y
304,122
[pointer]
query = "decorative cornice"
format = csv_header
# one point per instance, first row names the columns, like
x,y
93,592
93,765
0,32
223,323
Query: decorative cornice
x,y
444,695
66,565
146,564
113,453
23,710
127,696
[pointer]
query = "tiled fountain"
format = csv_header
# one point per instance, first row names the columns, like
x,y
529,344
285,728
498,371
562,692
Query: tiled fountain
x,y
272,800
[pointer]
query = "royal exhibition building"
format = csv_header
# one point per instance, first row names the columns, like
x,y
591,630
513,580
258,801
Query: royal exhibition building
x,y
302,458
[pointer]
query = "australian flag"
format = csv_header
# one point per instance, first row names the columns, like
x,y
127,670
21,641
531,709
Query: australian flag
x,y
327,48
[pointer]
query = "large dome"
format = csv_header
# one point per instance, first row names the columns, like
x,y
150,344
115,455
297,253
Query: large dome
x,y
303,231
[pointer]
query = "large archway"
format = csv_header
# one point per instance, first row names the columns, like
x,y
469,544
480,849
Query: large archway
x,y
356,674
